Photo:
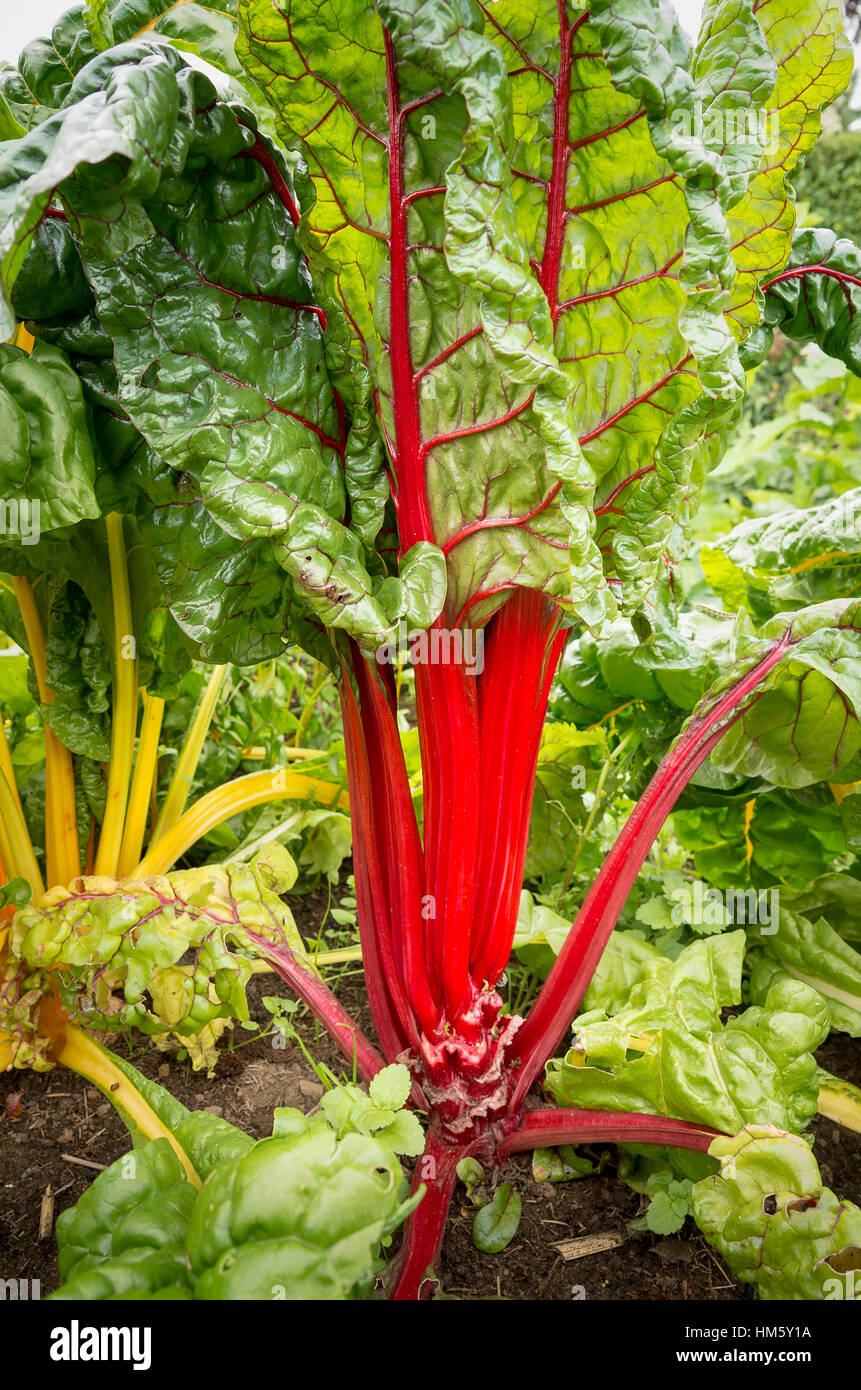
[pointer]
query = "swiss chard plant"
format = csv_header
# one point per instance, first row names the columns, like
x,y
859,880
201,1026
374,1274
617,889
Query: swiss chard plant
x,y
419,329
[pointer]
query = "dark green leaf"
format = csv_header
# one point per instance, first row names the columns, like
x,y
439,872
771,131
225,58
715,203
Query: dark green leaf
x,y
496,1223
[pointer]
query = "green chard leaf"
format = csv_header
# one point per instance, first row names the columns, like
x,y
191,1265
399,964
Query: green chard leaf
x,y
187,224
502,238
133,937
367,234
299,1216
125,1236
814,299
791,559
814,64
807,947
684,1062
769,1216
599,673
97,18
39,83
762,839
802,726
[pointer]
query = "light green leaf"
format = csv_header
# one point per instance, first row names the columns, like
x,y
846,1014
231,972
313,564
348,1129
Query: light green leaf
x,y
758,1065
790,559
627,960
391,1087
322,1243
46,454
802,725
188,929
814,64
97,17
768,1215
139,1206
471,1174
809,949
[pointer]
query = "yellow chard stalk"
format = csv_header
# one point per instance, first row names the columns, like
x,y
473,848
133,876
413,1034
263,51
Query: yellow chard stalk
x,y
177,794
62,853
125,705
82,1055
222,803
143,782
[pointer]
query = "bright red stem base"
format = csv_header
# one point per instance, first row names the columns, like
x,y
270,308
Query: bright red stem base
x,y
411,1273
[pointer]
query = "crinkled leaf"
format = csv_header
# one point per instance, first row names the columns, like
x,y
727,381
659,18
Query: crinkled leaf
x,y
802,725
322,1243
835,895
627,960
816,298
560,1164
600,673
789,559
757,1066
689,104
101,935
70,573
22,992
40,81
350,1109
228,596
808,948
814,64
769,1216
463,416
141,1203
46,456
